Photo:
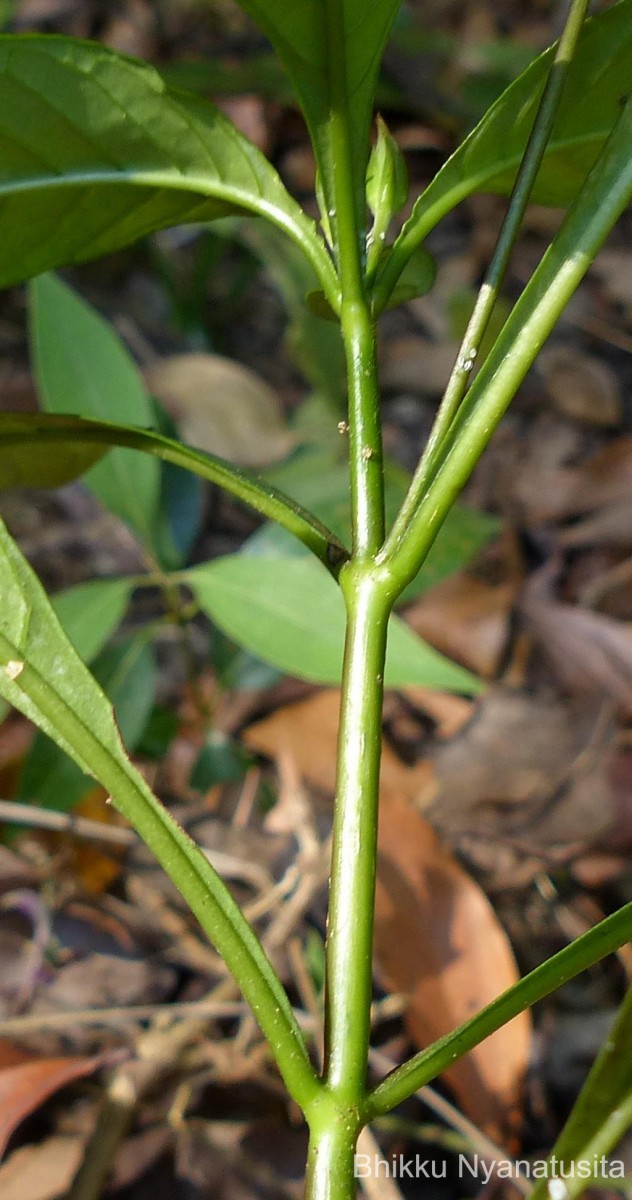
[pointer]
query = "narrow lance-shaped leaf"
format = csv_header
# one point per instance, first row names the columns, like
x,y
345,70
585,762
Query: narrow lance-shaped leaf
x,y
592,946
82,367
602,1113
127,674
604,197
302,33
19,432
290,613
41,674
488,160
96,151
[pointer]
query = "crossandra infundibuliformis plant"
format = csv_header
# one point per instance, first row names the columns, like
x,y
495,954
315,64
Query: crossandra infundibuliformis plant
x,y
96,152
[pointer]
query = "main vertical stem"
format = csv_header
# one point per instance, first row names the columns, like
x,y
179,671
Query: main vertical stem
x,y
350,931
358,332
337,1114
337,1117
365,433
331,1156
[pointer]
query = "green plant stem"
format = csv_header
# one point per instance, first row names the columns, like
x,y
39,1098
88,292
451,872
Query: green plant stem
x,y
602,1112
586,950
350,924
350,929
489,291
25,429
358,332
614,1128
365,434
330,1160
334,1119
346,219
604,196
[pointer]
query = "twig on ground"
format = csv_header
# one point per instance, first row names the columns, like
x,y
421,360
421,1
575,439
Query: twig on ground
x,y
212,1009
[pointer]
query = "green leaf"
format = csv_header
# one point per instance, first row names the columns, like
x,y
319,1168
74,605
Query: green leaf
x,y
417,278
91,612
159,732
464,532
50,779
38,467
83,368
602,1113
127,674
315,344
255,71
19,432
594,213
319,480
96,151
304,33
181,504
42,675
221,760
488,160
291,613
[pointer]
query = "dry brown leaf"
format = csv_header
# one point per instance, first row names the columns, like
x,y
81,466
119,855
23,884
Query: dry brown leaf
x,y
609,526
103,980
526,468
16,735
603,480
438,941
615,270
437,938
42,1172
298,168
15,872
529,769
308,732
581,386
418,365
93,868
137,1154
416,136
132,31
598,870
591,653
26,1085
222,407
448,711
12,1055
